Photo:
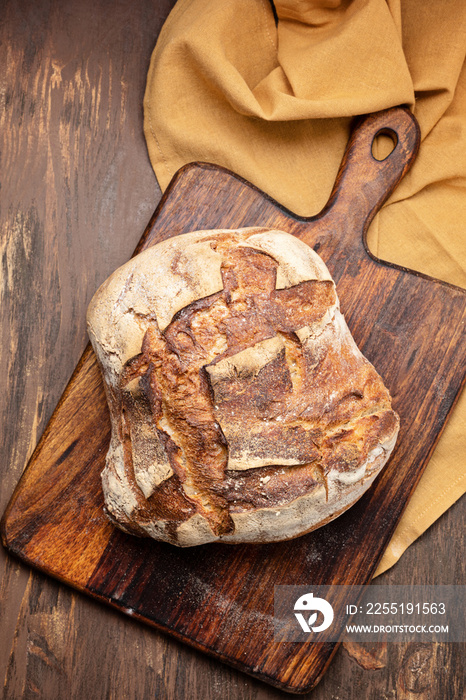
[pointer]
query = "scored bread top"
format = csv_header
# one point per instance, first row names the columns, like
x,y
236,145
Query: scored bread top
x,y
167,277
241,408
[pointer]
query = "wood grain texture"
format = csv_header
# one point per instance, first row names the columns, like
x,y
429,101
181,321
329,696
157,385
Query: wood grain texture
x,y
73,205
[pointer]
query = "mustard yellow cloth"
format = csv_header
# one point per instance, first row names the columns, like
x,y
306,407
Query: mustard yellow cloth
x,y
270,95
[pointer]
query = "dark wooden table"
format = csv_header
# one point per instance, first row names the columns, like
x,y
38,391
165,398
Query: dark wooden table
x,y
77,190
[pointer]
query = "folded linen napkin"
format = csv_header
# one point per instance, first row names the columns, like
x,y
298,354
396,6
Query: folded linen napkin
x,y
268,90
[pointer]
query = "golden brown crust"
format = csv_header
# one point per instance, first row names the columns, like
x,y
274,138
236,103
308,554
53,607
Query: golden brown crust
x,y
252,402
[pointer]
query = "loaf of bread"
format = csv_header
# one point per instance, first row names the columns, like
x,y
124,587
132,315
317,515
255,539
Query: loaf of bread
x,y
241,408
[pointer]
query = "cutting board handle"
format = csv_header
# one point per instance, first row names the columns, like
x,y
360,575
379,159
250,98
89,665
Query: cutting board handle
x,y
364,183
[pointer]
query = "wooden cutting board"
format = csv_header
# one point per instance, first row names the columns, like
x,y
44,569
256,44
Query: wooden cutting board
x,y
219,598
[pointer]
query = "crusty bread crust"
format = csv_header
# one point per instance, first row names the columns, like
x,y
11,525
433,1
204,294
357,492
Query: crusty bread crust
x,y
241,408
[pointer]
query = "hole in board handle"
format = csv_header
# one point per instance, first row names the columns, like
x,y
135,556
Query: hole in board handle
x,y
383,144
